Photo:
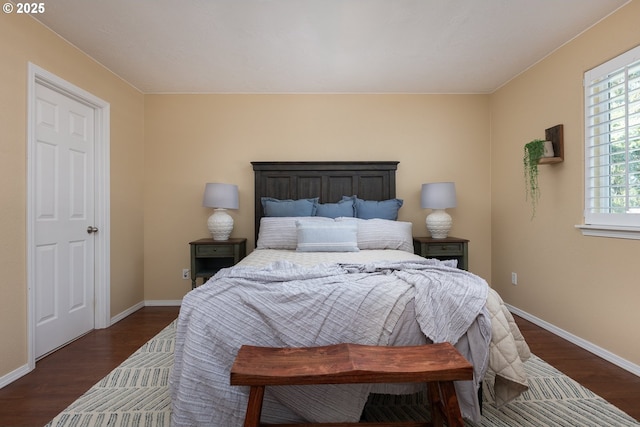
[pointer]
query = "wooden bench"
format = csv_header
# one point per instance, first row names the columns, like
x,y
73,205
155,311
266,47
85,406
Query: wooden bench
x,y
436,364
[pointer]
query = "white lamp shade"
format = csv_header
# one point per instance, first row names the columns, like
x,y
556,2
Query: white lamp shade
x,y
217,195
438,195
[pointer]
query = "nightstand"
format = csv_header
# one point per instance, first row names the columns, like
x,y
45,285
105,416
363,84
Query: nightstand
x,y
208,256
443,249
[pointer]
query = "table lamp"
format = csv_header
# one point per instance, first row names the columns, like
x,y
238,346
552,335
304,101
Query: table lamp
x,y
220,197
438,196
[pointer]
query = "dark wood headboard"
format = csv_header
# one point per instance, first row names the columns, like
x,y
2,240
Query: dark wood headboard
x,y
327,180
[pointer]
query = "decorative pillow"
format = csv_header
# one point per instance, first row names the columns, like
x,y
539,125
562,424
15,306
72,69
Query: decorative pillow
x,y
344,207
280,232
289,208
327,236
382,233
384,209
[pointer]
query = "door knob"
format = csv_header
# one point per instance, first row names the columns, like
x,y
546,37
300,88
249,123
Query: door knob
x,y
92,229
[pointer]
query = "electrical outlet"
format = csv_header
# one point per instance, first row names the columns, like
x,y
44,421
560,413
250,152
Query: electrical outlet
x,y
185,273
514,278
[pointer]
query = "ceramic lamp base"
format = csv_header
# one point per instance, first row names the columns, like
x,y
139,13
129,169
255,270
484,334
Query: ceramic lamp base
x,y
220,224
439,223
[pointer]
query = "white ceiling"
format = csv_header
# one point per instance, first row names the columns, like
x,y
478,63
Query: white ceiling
x,y
321,46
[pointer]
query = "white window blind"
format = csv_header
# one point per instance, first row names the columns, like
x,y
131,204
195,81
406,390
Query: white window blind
x,y
612,142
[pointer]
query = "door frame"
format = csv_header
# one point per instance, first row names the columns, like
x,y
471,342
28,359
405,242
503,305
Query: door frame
x,y
102,267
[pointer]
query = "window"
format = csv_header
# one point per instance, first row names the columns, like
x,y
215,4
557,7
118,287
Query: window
x,y
612,142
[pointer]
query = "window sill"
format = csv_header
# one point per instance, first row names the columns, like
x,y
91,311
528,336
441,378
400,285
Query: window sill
x,y
617,232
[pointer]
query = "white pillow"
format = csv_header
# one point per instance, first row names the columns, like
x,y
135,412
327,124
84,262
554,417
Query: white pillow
x,y
315,236
382,233
280,232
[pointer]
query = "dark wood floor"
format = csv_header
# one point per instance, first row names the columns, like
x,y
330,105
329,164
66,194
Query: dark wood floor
x,y
63,376
614,384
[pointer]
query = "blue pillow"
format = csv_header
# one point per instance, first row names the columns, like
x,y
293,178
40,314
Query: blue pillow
x,y
327,236
344,208
384,209
300,207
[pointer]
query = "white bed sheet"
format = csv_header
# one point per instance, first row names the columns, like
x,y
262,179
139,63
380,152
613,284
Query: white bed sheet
x,y
264,257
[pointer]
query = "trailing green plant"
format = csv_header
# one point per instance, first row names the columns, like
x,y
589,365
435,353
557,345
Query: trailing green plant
x,y
533,151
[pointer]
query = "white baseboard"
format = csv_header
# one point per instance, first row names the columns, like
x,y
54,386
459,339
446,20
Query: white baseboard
x,y
163,303
7,379
147,303
118,317
589,346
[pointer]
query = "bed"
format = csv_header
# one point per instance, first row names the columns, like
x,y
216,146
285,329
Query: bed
x,y
319,276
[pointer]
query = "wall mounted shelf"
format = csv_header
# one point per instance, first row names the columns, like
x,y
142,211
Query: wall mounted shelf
x,y
554,134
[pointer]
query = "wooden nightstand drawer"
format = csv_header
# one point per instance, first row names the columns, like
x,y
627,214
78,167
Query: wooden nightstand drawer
x,y
214,251
444,249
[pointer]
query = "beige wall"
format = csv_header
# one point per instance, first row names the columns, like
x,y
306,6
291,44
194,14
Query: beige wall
x,y
23,40
194,139
588,286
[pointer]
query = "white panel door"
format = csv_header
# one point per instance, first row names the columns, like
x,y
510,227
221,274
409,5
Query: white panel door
x,y
64,212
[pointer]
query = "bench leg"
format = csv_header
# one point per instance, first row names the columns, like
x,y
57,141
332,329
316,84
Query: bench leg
x,y
444,404
254,406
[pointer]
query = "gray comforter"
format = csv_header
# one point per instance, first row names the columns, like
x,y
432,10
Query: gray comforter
x,y
291,306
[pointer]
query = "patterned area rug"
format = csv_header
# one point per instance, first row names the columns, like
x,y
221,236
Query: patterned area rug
x,y
136,394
